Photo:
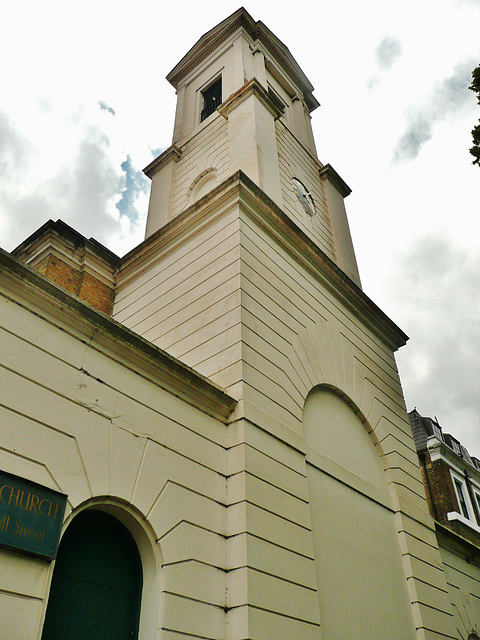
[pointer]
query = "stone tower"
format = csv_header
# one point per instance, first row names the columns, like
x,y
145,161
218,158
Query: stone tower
x,y
248,275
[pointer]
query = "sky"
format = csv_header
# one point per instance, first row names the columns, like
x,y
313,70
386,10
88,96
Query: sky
x,y
84,107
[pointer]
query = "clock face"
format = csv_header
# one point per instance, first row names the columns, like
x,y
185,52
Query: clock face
x,y
303,196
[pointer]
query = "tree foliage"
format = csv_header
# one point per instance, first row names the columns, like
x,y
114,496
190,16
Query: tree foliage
x,y
475,87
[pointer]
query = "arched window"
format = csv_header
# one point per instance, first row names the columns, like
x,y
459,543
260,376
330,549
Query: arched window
x,y
97,582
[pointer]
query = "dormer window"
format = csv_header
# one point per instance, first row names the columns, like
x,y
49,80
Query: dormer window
x,y
212,98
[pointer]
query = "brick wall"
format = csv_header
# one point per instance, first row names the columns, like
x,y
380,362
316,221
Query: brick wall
x,y
441,496
80,283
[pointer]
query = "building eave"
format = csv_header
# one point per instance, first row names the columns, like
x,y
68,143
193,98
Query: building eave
x,y
63,230
328,173
439,450
208,42
173,153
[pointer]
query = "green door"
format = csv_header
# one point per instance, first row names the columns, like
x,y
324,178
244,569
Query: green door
x,y
97,582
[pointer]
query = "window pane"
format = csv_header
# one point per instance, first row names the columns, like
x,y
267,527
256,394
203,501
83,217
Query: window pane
x,y
461,499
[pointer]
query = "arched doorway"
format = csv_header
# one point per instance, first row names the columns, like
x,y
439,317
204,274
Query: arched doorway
x,y
97,582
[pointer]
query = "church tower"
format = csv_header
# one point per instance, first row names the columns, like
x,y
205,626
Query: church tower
x,y
244,104
242,120
247,275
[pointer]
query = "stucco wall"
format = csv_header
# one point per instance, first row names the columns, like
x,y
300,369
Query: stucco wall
x,y
297,334
463,580
296,162
207,149
362,589
78,419
295,322
185,296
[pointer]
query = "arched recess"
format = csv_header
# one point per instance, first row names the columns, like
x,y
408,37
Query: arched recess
x,y
362,587
113,536
203,183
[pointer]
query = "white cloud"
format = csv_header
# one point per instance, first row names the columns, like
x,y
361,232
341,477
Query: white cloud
x,y
387,52
445,101
436,284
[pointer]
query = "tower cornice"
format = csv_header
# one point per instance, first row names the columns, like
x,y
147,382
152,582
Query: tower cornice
x,y
240,190
173,153
275,222
327,172
210,41
258,33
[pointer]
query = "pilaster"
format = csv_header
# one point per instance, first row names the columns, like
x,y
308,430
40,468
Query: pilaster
x,y
251,112
161,171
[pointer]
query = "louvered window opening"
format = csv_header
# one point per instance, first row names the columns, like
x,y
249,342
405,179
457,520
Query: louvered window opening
x,y
212,98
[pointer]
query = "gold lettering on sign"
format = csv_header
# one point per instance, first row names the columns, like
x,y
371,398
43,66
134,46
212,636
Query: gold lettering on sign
x,y
54,514
24,532
4,520
5,486
34,500
28,501
40,507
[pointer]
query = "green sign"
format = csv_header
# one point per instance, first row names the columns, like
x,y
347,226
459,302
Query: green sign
x,y
31,516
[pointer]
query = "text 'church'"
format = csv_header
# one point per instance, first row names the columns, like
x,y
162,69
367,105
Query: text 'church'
x,y
207,438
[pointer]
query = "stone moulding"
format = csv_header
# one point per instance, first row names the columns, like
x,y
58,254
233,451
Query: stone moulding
x,y
269,216
75,239
240,189
172,154
328,173
258,33
252,88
